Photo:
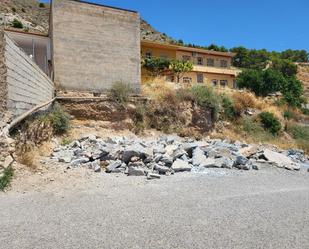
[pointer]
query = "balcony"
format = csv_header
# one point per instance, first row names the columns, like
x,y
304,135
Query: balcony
x,y
216,70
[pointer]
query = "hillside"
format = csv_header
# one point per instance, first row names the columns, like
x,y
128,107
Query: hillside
x,y
36,19
303,75
33,16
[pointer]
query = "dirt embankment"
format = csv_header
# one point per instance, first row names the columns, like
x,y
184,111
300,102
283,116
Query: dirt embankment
x,y
303,76
149,115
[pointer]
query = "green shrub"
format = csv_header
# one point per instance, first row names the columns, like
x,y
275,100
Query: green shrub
x,y
205,96
120,92
265,82
270,122
155,66
286,67
138,118
292,91
300,134
288,114
17,24
252,128
41,5
305,111
6,178
184,94
60,120
66,141
298,131
229,111
261,82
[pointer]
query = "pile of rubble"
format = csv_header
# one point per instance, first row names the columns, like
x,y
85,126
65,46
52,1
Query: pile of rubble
x,y
167,155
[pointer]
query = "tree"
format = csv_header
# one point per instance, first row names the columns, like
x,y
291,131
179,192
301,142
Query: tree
x,y
242,57
293,91
214,47
264,82
261,82
286,67
295,55
156,66
179,68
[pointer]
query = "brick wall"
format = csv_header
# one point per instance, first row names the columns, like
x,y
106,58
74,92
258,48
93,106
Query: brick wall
x,y
94,46
27,85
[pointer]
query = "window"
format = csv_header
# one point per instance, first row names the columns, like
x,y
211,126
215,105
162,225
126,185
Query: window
x,y
210,62
187,80
223,83
234,84
148,55
200,61
186,58
200,78
214,82
223,63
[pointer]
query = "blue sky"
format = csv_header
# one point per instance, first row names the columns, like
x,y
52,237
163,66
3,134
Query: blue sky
x,y
271,24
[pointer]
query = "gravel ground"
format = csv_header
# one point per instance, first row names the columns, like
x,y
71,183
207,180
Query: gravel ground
x,y
215,209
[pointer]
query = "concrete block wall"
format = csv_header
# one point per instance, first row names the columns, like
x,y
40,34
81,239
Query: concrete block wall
x,y
94,46
3,84
27,85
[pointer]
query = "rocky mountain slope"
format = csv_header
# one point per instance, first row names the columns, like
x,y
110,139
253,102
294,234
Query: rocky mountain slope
x,y
35,18
303,75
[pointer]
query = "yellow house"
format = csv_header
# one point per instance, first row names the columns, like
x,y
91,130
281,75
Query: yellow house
x,y
209,67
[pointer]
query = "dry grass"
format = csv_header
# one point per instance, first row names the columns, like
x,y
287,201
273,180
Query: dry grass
x,y
284,141
27,155
243,100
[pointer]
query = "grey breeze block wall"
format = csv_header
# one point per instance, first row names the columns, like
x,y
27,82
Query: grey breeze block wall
x,y
3,84
27,85
94,46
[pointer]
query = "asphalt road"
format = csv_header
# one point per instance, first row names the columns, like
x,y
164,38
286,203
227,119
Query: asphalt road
x,y
265,209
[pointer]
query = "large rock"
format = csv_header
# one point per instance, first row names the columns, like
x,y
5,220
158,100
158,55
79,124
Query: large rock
x,y
79,161
242,163
135,171
181,166
198,157
189,147
280,160
132,151
162,169
179,152
115,167
159,149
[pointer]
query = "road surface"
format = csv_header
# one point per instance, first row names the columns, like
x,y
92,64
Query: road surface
x,y
221,209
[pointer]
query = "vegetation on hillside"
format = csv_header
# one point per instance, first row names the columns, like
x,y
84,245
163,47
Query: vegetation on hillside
x,y
6,178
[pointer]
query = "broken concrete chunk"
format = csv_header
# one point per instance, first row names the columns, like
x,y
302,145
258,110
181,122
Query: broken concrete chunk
x,y
280,160
135,171
181,166
198,157
115,167
151,176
